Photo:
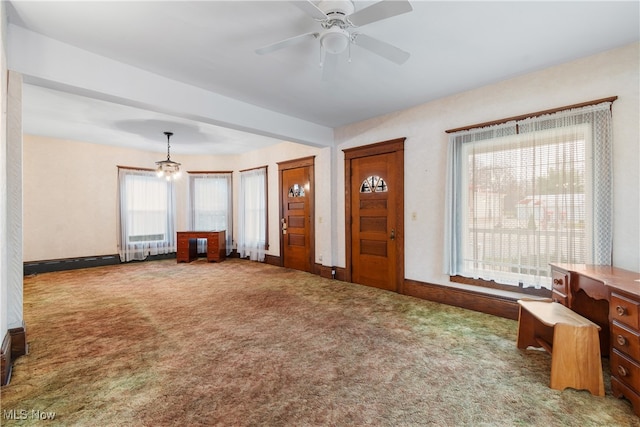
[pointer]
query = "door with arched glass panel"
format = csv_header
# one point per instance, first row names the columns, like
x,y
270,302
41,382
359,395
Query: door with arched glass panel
x,y
375,226
296,220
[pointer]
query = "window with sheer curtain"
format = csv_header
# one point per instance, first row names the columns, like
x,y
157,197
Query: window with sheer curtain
x,y
147,214
252,215
210,201
526,193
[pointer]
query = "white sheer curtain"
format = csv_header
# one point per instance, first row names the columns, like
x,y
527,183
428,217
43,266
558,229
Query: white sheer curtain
x,y
147,215
524,194
252,204
210,201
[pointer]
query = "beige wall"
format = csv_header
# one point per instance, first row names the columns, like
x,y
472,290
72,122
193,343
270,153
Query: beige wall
x,y
270,157
70,191
612,73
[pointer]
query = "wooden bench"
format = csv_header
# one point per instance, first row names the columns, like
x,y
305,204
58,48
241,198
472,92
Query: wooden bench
x,y
571,339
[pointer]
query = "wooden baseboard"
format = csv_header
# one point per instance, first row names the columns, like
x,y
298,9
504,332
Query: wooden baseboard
x,y
329,272
19,346
324,271
5,360
497,305
340,273
14,345
485,302
47,266
272,260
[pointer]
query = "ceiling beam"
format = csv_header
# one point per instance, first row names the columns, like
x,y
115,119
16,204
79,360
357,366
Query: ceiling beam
x,y
50,63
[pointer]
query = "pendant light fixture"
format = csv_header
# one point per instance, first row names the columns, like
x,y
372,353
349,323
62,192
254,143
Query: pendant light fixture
x,y
168,168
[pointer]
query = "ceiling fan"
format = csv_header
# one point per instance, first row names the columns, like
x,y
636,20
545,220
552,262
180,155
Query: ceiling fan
x,y
338,20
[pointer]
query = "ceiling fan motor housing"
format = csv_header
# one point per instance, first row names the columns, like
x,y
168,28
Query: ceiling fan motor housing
x,y
337,9
335,38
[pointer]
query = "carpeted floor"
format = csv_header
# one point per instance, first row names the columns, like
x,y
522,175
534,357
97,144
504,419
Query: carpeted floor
x,y
245,344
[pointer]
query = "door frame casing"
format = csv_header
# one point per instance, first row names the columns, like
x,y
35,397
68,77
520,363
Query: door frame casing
x,y
385,147
295,164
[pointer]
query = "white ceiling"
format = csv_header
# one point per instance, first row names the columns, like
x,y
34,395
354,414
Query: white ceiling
x,y
455,46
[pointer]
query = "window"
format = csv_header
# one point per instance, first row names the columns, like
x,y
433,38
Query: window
x,y
373,184
210,201
527,193
252,204
296,190
147,206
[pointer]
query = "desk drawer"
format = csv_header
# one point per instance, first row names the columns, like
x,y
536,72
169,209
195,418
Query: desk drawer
x,y
560,282
182,243
213,244
625,340
183,251
625,310
625,369
559,298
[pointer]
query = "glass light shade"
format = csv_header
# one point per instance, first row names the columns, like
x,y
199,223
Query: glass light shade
x,y
335,40
168,169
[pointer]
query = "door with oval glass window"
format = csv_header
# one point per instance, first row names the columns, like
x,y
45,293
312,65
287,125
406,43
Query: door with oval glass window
x,y
375,214
296,219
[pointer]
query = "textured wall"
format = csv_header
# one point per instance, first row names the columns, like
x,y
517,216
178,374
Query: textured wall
x,y
71,211
14,201
612,73
3,170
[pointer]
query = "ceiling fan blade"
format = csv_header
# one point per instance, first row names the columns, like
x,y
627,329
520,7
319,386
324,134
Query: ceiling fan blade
x,y
286,43
382,10
310,9
390,52
329,66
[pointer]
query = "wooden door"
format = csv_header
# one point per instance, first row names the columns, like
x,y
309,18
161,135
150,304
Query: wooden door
x,y
375,207
296,220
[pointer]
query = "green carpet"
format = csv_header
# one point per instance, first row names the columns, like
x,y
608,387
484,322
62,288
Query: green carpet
x,y
240,343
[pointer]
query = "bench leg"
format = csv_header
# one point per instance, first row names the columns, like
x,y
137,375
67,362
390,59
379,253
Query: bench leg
x,y
575,361
526,330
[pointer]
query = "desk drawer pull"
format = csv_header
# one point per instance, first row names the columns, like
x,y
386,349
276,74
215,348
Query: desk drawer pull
x,y
622,371
621,310
557,281
621,340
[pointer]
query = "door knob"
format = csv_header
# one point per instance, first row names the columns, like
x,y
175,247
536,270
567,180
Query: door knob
x,y
393,234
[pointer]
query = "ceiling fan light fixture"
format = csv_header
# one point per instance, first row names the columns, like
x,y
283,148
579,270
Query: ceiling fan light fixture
x,y
334,40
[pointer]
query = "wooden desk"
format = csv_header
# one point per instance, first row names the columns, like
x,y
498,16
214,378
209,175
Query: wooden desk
x,y
610,297
188,245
